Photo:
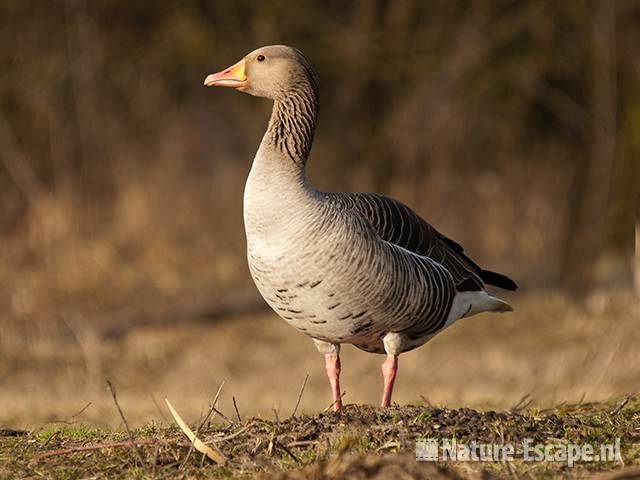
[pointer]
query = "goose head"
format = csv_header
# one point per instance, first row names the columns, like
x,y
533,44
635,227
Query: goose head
x,y
269,72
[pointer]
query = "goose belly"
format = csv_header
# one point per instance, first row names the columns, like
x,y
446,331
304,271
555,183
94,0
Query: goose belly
x,y
339,297
317,295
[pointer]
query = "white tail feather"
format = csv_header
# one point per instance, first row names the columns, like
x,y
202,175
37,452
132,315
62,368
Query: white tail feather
x,y
466,304
500,305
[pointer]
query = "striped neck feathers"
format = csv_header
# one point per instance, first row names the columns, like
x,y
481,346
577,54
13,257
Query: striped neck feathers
x,y
293,121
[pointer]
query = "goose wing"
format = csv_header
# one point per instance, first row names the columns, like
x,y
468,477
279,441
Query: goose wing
x,y
398,224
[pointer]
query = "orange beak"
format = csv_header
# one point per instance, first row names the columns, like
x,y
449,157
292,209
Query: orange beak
x,y
233,77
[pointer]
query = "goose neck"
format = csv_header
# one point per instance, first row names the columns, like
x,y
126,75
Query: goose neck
x,y
292,124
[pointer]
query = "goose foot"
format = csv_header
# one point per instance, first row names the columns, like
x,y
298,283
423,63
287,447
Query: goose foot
x,y
389,372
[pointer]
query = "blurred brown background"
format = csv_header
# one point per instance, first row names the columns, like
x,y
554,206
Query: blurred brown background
x,y
513,127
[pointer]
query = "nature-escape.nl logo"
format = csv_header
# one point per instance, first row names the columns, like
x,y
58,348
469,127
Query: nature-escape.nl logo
x,y
433,450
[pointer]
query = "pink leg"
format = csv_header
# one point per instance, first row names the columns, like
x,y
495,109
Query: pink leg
x,y
389,371
332,364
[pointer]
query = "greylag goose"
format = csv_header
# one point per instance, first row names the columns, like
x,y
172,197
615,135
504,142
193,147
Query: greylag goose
x,y
355,268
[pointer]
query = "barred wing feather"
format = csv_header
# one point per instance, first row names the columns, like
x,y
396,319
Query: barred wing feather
x,y
398,224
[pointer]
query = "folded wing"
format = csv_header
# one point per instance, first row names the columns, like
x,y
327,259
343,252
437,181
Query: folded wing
x,y
398,224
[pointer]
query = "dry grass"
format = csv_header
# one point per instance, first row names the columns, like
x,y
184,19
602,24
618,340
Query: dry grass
x,y
552,348
558,351
361,442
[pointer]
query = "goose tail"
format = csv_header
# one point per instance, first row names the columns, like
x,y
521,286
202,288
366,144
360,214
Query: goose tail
x,y
466,304
483,302
497,305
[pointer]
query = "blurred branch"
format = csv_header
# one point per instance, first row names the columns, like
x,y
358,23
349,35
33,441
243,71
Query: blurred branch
x,y
81,54
572,114
17,165
636,267
588,237
119,324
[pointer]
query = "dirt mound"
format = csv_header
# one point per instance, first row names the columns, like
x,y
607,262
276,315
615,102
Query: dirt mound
x,y
360,442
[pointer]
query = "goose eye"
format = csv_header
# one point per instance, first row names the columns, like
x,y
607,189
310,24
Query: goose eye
x,y
260,58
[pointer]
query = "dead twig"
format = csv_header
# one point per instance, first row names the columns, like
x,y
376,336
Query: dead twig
x,y
124,420
155,402
223,416
239,432
523,403
389,445
304,384
313,419
88,448
254,450
81,411
235,406
275,414
301,443
287,451
154,464
271,443
622,404
72,418
204,420
335,401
